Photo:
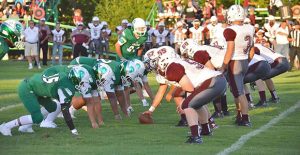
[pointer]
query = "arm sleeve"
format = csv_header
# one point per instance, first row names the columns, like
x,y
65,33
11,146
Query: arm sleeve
x,y
229,34
175,72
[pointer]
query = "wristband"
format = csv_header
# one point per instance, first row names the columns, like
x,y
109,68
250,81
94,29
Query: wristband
x,y
151,108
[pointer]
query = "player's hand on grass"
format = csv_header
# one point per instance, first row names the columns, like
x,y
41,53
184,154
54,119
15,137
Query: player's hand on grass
x,y
180,110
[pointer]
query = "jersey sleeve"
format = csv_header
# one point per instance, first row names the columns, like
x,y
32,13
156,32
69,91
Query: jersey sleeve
x,y
122,40
202,57
175,72
65,91
229,34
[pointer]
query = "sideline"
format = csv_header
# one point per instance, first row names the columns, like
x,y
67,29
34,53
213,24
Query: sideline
x,y
243,139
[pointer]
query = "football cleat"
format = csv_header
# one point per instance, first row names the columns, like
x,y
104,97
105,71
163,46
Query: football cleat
x,y
217,115
226,113
274,100
46,124
251,105
213,125
5,130
145,104
244,123
26,129
194,140
261,104
130,110
182,123
206,133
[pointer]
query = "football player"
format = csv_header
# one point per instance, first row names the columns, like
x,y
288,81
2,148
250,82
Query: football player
x,y
161,35
85,81
239,39
10,36
95,30
41,89
112,86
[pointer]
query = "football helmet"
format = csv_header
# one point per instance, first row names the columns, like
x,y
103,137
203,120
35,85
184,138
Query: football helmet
x,y
150,59
236,13
104,74
163,62
167,50
12,31
95,19
187,48
128,72
140,69
81,78
139,26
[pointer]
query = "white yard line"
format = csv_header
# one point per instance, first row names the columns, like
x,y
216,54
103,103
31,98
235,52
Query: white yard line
x,y
9,107
238,144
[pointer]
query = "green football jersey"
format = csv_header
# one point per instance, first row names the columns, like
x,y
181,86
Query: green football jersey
x,y
130,44
114,65
47,83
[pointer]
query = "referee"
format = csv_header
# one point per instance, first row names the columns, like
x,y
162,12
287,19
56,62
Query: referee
x,y
295,45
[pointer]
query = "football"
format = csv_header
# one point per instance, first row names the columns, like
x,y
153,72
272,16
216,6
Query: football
x,y
77,102
145,118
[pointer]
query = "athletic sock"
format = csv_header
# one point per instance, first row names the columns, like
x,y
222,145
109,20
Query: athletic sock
x,y
262,95
23,120
194,130
249,98
274,94
245,118
205,128
183,117
224,103
52,116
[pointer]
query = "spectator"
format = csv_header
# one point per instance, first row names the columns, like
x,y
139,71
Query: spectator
x,y
26,17
14,15
20,10
80,39
261,39
221,13
7,11
189,13
77,16
58,41
247,4
295,45
33,6
31,38
160,6
2,16
252,15
44,36
274,5
179,8
179,36
104,44
148,43
207,10
282,42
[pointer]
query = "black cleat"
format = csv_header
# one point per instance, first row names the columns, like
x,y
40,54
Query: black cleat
x,y
182,123
261,104
244,123
202,133
274,100
194,140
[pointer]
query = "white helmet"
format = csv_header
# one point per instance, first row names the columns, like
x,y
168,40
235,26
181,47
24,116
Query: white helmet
x,y
150,59
81,78
95,19
167,50
236,13
104,74
163,62
247,21
104,23
139,26
140,69
188,48
128,72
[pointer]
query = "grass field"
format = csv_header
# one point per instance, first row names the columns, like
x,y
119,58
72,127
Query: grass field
x,y
129,137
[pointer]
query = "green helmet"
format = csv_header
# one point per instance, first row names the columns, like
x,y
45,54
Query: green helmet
x,y
11,30
80,77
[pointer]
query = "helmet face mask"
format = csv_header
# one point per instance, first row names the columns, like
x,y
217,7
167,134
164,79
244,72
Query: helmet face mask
x,y
103,74
187,48
139,27
80,78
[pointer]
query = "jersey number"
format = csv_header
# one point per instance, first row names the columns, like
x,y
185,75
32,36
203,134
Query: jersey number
x,y
249,41
51,79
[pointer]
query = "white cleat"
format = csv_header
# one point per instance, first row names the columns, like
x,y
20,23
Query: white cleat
x,y
146,104
46,124
130,110
145,93
26,129
5,130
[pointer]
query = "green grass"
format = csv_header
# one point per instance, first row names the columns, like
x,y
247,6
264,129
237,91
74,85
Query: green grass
x,y
129,137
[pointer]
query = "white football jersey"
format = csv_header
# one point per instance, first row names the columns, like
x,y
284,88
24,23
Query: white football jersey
x,y
271,31
160,37
243,41
217,55
58,35
197,34
196,72
212,29
219,40
179,36
256,58
268,53
95,30
150,32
